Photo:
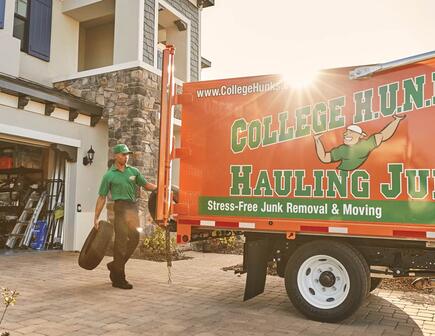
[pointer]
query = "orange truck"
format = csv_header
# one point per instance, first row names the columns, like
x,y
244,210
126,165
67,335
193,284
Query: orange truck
x,y
335,180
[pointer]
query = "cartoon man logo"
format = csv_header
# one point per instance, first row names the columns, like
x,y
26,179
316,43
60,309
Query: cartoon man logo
x,y
355,149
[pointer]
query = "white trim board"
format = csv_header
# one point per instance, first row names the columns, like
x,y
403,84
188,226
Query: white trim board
x,y
31,134
98,71
112,68
23,141
156,30
199,41
69,228
141,19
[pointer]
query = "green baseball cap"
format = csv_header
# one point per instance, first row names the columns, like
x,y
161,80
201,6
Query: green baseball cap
x,y
121,148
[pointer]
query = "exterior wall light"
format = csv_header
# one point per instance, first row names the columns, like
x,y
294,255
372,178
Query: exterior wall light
x,y
89,157
181,25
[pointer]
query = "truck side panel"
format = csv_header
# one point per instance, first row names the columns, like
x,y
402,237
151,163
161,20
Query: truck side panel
x,y
259,154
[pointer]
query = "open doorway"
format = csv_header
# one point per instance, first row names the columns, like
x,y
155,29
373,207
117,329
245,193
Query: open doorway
x,y
174,29
32,193
96,43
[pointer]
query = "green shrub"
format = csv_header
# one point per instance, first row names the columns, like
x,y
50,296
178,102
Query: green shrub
x,y
154,246
225,245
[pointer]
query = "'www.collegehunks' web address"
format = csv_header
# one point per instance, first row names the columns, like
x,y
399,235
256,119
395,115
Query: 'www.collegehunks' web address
x,y
229,90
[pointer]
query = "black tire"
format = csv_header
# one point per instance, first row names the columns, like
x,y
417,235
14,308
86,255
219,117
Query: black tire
x,y
95,246
366,265
152,204
374,283
353,263
152,201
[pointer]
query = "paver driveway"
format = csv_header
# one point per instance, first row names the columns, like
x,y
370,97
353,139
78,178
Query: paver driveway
x,y
59,298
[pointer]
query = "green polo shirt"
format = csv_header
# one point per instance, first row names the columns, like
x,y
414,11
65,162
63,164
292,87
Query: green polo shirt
x,y
352,157
122,185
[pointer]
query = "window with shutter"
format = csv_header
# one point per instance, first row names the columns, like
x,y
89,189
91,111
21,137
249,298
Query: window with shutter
x,y
40,29
2,13
21,22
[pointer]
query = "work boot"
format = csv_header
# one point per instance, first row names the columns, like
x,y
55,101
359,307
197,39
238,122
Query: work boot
x,y
112,273
122,284
118,281
115,276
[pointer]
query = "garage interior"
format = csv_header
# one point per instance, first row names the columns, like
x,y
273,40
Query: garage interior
x,y
32,193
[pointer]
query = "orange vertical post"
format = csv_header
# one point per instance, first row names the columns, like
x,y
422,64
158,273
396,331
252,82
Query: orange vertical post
x,y
166,137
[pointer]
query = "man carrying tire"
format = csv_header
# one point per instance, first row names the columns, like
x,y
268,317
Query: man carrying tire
x,y
122,180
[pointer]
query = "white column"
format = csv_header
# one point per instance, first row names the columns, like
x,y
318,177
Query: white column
x,y
129,17
70,225
199,42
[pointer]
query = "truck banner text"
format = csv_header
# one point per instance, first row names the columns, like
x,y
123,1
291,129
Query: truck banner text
x,y
335,150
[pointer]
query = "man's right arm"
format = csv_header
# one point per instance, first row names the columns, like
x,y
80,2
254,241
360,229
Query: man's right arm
x,y
101,201
323,156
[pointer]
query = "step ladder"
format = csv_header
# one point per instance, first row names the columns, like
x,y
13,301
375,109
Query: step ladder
x,y
55,196
23,229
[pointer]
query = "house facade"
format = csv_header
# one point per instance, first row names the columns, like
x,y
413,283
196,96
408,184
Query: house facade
x,y
77,77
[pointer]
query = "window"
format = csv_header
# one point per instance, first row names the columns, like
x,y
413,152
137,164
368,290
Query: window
x,y
21,22
2,13
32,25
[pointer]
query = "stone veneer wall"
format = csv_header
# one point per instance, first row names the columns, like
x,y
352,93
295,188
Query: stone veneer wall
x,y
131,101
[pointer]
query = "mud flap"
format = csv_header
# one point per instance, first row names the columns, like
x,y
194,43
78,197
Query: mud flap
x,y
255,258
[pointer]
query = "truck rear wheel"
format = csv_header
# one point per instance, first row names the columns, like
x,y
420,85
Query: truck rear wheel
x,y
326,280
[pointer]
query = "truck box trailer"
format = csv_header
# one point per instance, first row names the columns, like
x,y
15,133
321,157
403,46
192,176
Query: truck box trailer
x,y
334,180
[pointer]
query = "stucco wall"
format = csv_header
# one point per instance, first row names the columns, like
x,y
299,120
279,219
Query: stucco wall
x,y
128,27
63,54
85,179
10,46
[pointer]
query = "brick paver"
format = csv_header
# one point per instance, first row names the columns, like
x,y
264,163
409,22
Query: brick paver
x,y
57,297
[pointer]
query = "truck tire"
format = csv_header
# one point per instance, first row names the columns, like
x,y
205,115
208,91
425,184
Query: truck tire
x,y
374,283
95,246
326,280
366,266
152,200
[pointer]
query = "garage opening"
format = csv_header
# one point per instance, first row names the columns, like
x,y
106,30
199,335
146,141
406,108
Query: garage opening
x,y
32,194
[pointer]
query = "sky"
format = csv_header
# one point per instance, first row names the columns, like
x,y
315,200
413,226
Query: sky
x,y
258,37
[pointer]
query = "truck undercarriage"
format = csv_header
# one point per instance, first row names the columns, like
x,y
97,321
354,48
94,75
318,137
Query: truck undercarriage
x,y
374,259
